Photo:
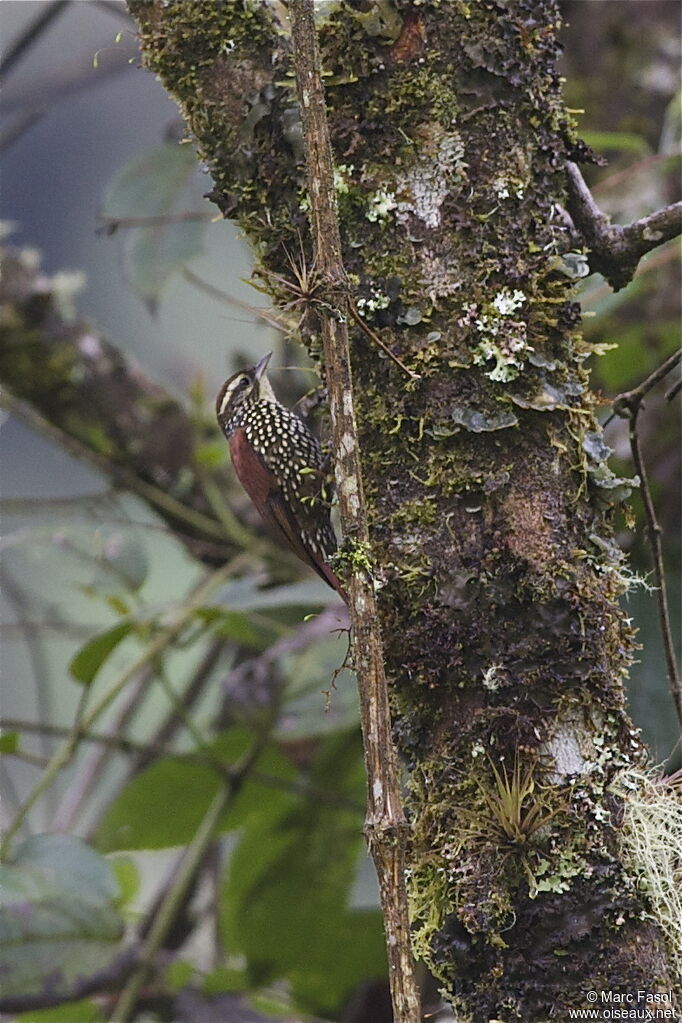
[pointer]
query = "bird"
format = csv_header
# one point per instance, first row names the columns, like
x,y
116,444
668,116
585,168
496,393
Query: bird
x,y
280,464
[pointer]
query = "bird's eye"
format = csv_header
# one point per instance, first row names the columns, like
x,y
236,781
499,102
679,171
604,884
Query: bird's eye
x,y
244,382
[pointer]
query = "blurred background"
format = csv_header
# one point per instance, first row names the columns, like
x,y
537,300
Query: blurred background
x,y
88,147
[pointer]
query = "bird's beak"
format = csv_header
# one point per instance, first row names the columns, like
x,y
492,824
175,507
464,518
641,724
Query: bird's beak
x,y
260,367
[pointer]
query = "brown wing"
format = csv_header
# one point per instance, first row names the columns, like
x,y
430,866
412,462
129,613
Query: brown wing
x,y
262,488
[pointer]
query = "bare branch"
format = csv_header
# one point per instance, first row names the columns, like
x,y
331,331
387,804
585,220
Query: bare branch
x,y
628,405
385,824
31,35
615,250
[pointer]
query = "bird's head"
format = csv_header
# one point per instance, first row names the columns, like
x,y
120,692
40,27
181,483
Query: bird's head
x,y
242,389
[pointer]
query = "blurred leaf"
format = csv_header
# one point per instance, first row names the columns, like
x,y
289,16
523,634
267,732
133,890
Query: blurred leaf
x,y
245,595
58,922
128,878
623,141
70,1012
234,625
285,903
179,974
223,980
154,185
125,556
633,360
211,454
150,184
90,658
306,711
137,820
153,254
9,742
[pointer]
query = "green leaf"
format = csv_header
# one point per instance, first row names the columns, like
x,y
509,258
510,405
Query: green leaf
x,y
149,185
623,141
164,805
153,254
286,901
58,921
9,742
224,980
90,658
69,1012
155,185
127,876
235,625
179,974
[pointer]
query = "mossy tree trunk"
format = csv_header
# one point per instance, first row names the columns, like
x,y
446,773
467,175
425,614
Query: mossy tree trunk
x,y
488,496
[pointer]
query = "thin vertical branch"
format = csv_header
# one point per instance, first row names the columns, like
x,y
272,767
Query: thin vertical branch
x,y
629,405
385,825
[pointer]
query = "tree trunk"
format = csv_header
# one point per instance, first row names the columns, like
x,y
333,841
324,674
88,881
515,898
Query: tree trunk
x,y
487,491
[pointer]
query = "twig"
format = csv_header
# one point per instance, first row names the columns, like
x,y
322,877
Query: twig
x,y
29,36
163,639
191,862
373,336
89,773
110,225
151,748
123,476
615,249
268,316
385,825
628,405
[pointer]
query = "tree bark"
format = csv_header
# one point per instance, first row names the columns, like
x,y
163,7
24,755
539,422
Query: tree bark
x,y
488,496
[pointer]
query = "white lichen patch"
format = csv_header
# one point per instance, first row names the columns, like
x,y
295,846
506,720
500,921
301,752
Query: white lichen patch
x,y
568,748
346,445
374,301
502,335
507,302
380,205
428,182
493,677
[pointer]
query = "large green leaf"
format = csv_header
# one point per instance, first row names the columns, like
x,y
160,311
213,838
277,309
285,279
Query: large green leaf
x,y
155,185
58,921
164,805
286,901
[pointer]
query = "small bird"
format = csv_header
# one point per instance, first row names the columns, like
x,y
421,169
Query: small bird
x,y
280,465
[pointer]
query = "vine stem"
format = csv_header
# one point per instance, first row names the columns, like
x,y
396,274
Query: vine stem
x,y
385,824
190,862
66,751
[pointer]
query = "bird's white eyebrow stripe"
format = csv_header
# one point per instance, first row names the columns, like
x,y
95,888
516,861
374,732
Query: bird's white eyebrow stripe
x,y
227,396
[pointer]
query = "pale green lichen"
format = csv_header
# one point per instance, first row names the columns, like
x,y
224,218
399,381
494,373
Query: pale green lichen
x,y
651,843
